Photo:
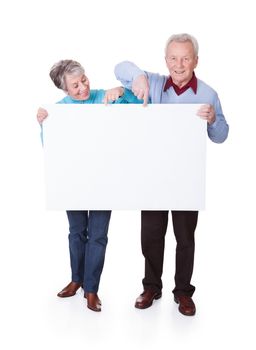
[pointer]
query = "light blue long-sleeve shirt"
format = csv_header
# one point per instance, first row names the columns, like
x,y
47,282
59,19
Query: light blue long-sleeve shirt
x,y
127,71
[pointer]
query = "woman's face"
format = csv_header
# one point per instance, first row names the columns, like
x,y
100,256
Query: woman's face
x,y
78,86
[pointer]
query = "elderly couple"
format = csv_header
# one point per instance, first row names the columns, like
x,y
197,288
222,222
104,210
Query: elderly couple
x,y
88,229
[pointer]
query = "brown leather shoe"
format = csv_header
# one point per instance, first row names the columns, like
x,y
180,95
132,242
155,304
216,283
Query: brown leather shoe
x,y
69,290
146,299
186,305
93,301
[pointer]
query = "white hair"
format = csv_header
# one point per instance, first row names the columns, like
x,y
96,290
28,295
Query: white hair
x,y
63,67
181,38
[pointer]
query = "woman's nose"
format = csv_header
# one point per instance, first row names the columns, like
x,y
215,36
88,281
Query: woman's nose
x,y
82,86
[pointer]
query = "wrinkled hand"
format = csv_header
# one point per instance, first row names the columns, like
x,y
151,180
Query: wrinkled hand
x,y
140,88
113,94
207,113
41,115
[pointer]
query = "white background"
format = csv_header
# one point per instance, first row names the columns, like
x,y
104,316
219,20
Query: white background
x,y
33,250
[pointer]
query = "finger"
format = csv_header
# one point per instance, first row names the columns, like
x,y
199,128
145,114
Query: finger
x,y
39,119
105,100
113,97
145,98
204,107
203,118
140,95
203,112
135,92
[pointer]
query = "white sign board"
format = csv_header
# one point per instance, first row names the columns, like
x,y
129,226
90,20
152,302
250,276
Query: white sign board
x,y
124,157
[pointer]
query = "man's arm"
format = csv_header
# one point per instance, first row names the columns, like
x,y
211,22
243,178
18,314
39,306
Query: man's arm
x,y
133,78
127,72
218,129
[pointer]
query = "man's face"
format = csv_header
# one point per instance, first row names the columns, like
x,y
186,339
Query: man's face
x,y
181,62
78,86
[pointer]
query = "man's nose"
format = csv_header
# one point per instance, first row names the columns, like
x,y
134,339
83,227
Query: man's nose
x,y
179,62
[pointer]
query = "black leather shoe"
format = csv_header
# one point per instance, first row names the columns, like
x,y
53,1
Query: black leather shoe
x,y
186,305
93,301
69,290
146,299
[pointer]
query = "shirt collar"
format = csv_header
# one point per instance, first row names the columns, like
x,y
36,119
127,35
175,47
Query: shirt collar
x,y
191,84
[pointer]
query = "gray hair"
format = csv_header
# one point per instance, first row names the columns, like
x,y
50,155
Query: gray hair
x,y
63,67
181,38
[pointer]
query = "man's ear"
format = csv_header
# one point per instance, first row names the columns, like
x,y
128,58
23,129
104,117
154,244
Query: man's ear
x,y
196,61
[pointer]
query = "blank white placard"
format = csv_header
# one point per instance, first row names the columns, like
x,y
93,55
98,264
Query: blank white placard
x,y
124,157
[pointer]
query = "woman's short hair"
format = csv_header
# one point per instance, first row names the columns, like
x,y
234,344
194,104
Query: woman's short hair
x,y
63,67
181,38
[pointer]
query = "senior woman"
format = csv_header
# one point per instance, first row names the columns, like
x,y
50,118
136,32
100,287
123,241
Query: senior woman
x,y
88,229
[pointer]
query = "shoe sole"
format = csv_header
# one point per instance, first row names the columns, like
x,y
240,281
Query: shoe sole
x,y
65,296
68,295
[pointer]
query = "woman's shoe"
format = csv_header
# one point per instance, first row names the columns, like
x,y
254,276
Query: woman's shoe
x,y
93,301
69,290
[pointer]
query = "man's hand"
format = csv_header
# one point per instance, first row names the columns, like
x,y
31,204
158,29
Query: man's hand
x,y
41,115
113,94
207,112
140,88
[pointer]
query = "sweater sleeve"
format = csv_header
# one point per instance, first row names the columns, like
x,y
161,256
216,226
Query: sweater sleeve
x,y
126,72
218,131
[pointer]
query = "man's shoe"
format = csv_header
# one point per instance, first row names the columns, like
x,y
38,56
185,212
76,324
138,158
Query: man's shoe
x,y
186,305
93,301
69,290
146,299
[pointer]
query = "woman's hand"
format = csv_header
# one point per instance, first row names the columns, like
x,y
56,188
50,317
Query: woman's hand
x,y
113,94
41,115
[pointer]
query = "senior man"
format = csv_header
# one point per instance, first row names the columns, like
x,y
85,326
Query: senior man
x,y
181,86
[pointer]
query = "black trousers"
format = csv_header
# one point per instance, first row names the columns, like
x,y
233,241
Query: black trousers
x,y
153,230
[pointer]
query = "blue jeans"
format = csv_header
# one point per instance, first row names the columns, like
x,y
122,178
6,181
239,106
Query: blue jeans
x,y
87,245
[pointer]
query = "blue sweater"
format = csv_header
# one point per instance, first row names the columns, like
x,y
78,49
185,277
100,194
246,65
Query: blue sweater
x,y
127,71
